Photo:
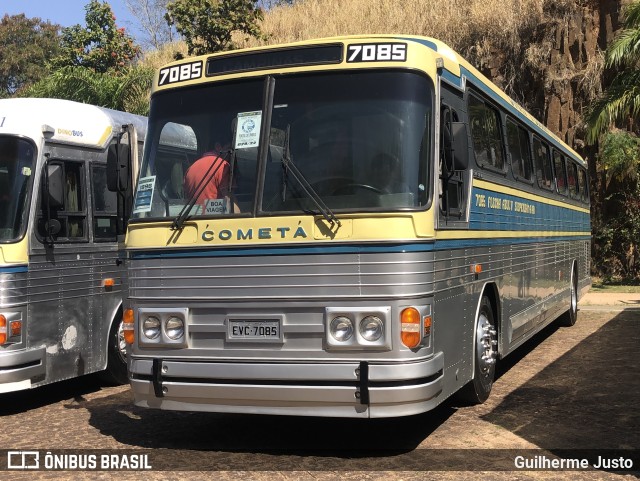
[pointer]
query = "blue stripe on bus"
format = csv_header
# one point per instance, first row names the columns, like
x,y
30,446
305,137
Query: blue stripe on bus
x,y
430,246
504,212
13,270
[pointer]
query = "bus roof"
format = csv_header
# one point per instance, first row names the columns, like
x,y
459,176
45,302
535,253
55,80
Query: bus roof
x,y
456,70
65,121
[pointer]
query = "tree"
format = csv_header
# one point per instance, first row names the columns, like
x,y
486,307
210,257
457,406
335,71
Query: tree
x,y
208,25
128,91
101,46
620,102
26,46
150,14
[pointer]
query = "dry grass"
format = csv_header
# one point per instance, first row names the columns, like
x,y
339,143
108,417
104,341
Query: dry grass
x,y
463,24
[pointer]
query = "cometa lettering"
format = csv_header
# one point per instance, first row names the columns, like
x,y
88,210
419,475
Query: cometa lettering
x,y
262,233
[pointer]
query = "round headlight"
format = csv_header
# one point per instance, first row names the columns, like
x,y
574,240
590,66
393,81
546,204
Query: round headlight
x,y
371,328
174,328
341,329
151,327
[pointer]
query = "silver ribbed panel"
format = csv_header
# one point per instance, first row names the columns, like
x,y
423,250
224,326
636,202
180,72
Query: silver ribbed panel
x,y
304,277
13,289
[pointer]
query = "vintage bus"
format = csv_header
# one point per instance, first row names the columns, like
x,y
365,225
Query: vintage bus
x,y
60,264
384,224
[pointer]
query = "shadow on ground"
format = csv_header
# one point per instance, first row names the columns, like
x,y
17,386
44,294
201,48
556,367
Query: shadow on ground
x,y
22,401
585,404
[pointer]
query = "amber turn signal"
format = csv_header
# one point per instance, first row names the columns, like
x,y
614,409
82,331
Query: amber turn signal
x,y
3,329
127,326
410,327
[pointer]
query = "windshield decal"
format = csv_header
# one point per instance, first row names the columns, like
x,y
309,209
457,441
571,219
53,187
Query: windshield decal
x,y
144,194
248,130
215,206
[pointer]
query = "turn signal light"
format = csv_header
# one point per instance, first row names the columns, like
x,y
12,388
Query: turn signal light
x,y
3,329
127,326
410,327
109,282
16,328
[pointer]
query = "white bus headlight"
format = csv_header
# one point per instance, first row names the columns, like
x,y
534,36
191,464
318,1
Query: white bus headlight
x,y
151,327
341,328
174,327
371,328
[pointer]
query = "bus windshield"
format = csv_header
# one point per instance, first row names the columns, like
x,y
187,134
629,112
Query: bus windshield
x,y
359,140
16,170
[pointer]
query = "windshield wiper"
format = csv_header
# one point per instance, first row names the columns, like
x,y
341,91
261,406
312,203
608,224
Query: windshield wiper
x,y
304,183
183,215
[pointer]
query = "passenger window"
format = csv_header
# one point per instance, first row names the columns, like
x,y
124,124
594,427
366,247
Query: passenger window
x,y
485,131
561,173
572,180
72,215
518,140
105,206
544,172
583,185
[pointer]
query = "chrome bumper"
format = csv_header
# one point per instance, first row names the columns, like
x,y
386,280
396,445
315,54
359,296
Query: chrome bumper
x,y
346,389
19,368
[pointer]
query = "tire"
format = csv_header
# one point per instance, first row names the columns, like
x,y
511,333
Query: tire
x,y
570,317
116,371
485,350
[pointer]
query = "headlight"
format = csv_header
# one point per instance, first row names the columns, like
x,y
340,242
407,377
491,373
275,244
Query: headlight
x,y
341,328
151,327
371,328
174,328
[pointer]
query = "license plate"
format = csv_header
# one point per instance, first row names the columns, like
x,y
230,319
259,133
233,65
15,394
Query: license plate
x,y
254,330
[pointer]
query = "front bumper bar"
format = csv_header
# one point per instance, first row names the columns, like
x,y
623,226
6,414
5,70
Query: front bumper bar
x,y
345,389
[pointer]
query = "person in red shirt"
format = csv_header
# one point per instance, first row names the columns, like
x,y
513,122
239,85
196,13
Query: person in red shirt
x,y
216,188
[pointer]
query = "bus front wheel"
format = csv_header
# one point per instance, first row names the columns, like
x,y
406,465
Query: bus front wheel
x,y
116,372
478,389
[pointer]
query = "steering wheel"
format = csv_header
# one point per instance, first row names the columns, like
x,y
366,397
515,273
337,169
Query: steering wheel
x,y
343,188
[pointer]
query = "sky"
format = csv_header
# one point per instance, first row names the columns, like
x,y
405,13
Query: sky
x,y
69,12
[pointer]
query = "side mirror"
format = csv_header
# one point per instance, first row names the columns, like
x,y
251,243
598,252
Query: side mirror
x,y
119,165
54,186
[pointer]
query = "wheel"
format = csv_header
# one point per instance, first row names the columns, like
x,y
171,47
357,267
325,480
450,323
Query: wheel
x,y
569,318
116,372
349,188
478,389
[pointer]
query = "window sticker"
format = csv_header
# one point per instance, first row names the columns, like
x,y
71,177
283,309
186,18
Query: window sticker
x,y
248,130
26,171
144,194
214,207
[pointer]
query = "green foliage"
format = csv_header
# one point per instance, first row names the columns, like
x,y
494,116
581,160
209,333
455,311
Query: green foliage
x,y
620,102
101,46
616,255
128,90
620,154
208,25
26,45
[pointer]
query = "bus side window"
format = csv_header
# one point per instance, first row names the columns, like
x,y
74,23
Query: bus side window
x,y
105,206
73,214
572,180
583,185
544,172
518,142
484,121
561,172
